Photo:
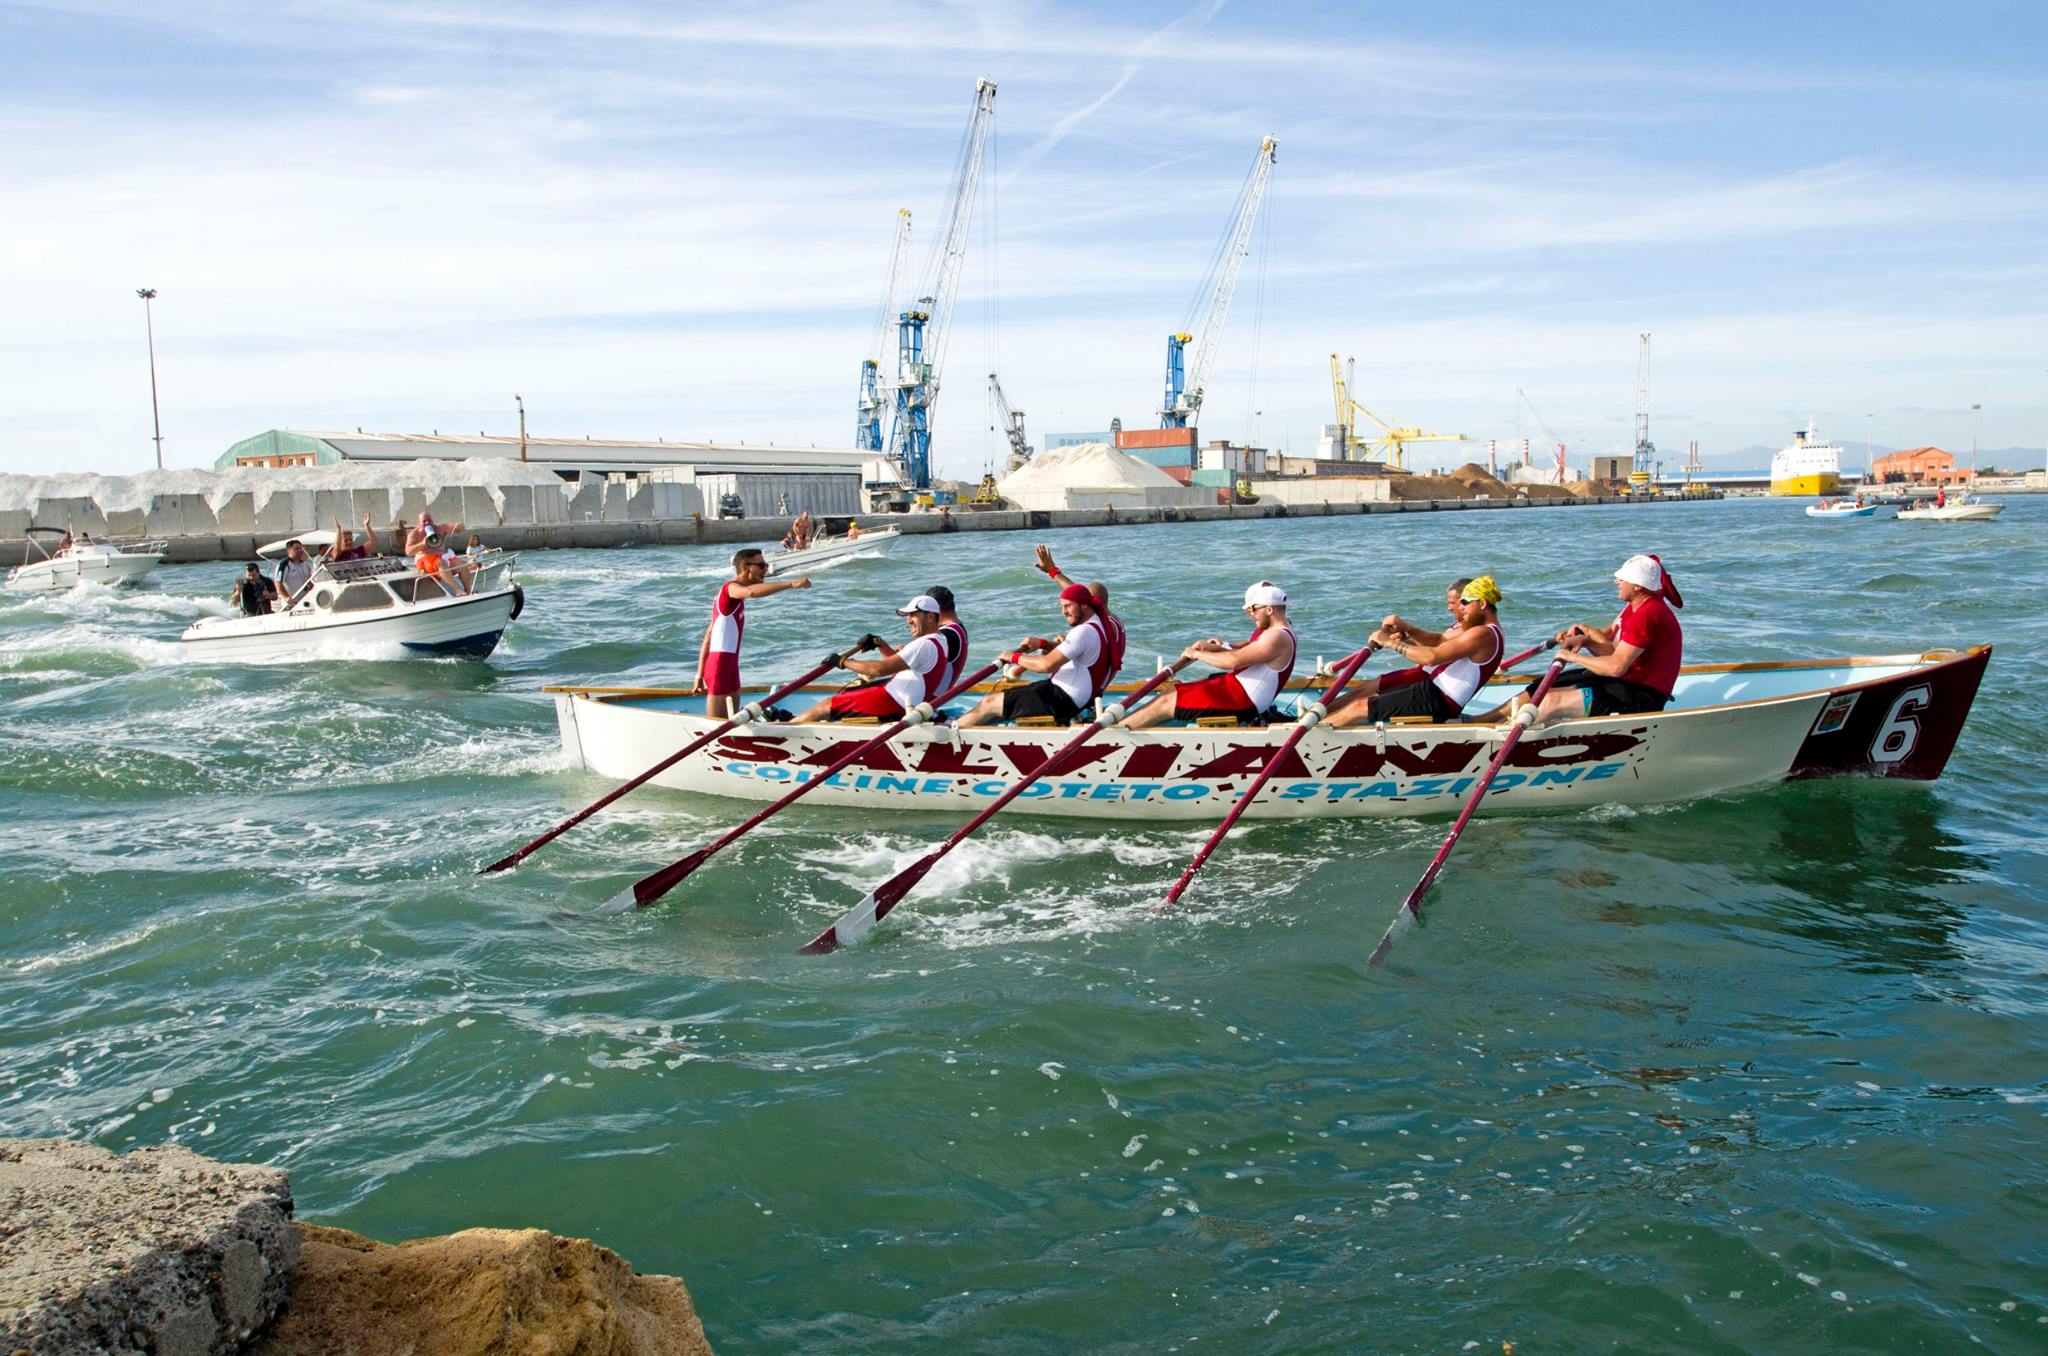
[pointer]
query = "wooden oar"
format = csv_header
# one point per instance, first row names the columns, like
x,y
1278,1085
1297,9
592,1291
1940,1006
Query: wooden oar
x,y
856,921
1311,716
751,712
1531,651
1411,907
649,888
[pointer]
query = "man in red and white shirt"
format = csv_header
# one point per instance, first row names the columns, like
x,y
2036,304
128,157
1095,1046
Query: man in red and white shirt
x,y
1629,667
901,678
1081,663
1252,672
718,654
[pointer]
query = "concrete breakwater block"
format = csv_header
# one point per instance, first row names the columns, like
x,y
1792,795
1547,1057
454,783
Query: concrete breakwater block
x,y
480,1292
159,1250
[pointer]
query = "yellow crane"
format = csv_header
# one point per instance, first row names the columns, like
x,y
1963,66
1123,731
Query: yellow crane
x,y
1387,447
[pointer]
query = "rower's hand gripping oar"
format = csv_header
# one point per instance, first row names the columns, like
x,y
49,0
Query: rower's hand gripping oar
x,y
749,714
856,921
1411,907
649,888
1311,716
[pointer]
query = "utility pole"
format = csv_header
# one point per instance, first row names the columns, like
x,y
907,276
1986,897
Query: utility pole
x,y
1973,440
521,402
148,294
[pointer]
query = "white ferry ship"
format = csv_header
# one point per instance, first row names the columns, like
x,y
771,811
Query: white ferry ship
x,y
1811,465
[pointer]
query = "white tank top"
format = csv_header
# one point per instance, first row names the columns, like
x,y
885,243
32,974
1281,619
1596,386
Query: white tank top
x,y
1461,679
1261,682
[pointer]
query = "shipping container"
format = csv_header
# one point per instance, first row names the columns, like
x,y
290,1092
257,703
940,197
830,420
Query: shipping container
x,y
1180,473
1162,457
1132,438
1209,476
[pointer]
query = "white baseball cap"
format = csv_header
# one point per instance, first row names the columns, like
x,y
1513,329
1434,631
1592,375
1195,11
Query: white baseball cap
x,y
1642,571
923,602
1265,593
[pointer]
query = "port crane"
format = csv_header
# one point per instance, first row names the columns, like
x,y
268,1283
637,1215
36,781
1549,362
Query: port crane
x,y
1186,381
1549,437
867,427
1012,424
921,330
1393,438
1646,451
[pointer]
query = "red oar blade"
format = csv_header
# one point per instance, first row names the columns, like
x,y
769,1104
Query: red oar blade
x,y
859,920
649,888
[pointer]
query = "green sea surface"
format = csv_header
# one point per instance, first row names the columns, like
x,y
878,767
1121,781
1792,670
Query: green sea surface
x,y
1763,1073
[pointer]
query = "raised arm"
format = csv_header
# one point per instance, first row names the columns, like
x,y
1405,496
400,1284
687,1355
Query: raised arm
x,y
766,587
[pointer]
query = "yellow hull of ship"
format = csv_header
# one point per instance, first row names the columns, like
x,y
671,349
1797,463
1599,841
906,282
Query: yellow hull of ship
x,y
1817,483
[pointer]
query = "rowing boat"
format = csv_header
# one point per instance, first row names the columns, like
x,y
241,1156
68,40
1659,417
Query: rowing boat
x,y
831,548
1730,726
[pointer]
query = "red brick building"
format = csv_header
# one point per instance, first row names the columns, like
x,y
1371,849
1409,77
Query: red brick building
x,y
1920,466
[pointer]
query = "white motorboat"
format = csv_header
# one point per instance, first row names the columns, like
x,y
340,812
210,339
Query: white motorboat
x,y
1840,508
823,549
1958,508
52,562
353,606
1729,726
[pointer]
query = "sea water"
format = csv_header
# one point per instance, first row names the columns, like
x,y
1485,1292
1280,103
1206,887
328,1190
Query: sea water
x,y
1766,1072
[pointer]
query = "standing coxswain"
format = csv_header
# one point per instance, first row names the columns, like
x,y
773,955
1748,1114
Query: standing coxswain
x,y
899,679
1252,672
1625,668
1448,667
1080,665
718,654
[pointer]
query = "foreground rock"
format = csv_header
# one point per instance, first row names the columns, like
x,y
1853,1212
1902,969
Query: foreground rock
x,y
161,1250
479,1291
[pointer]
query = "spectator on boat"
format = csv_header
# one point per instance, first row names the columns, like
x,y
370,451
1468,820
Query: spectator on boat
x,y
1252,671
345,547
718,654
475,547
1448,668
449,570
852,530
1079,664
1625,668
63,543
253,593
1941,496
426,527
294,570
898,679
798,538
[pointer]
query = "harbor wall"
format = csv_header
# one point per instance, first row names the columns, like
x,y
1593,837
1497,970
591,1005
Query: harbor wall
x,y
691,531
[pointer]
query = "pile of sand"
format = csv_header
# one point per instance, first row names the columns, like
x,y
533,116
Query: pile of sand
x,y
1470,481
1085,466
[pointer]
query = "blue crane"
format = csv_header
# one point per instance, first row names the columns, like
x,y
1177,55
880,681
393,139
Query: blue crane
x,y
922,328
1186,381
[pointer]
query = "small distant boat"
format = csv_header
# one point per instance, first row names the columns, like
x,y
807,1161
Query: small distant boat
x,y
1840,508
1959,508
379,601
823,549
51,566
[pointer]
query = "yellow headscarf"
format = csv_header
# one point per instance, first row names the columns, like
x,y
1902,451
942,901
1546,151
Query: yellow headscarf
x,y
1482,590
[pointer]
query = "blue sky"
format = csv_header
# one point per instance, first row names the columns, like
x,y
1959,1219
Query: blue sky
x,y
673,220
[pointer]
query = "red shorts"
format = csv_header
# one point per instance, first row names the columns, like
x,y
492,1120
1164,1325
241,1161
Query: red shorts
x,y
1222,695
870,700
722,674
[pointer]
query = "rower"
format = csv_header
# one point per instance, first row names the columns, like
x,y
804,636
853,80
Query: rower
x,y
900,678
952,634
1252,673
1100,592
1448,670
718,654
1080,663
1625,668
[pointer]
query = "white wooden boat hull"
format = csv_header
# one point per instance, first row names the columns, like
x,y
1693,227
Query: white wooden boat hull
x,y
1744,726
1951,513
1866,511
838,548
466,627
66,572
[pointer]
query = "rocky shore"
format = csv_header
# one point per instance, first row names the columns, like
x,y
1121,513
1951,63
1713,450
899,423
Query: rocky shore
x,y
167,1252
